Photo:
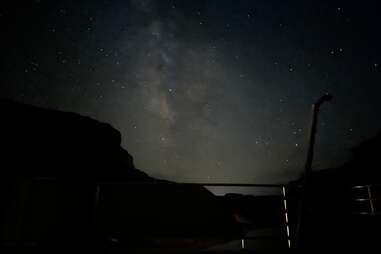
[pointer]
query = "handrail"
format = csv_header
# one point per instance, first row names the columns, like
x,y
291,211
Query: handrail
x,y
283,193
360,186
197,184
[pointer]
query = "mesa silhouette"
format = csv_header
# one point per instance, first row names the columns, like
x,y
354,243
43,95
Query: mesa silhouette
x,y
67,181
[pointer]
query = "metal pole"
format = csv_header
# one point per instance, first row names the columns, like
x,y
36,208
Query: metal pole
x,y
286,216
308,167
370,196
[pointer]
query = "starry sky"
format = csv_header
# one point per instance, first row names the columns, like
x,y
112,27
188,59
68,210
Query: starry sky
x,y
203,90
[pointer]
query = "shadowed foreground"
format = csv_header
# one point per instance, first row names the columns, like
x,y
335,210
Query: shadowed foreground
x,y
60,190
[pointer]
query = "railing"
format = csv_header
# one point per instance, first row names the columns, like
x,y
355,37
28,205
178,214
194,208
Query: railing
x,y
366,194
281,192
368,197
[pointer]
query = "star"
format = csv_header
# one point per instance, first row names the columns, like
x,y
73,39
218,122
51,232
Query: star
x,y
211,82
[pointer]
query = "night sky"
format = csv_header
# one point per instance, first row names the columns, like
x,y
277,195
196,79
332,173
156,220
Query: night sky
x,y
210,90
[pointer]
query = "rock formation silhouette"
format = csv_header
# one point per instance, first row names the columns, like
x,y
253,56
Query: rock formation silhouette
x,y
66,181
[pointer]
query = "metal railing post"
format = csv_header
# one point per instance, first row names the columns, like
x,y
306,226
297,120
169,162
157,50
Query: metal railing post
x,y
372,211
286,216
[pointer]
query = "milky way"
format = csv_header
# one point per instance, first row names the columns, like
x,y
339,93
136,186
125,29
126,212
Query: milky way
x,y
203,90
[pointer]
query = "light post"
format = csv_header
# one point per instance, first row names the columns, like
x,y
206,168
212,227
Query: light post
x,y
308,168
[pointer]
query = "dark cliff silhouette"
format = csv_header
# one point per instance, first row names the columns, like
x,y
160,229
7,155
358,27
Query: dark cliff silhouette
x,y
66,181
43,142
